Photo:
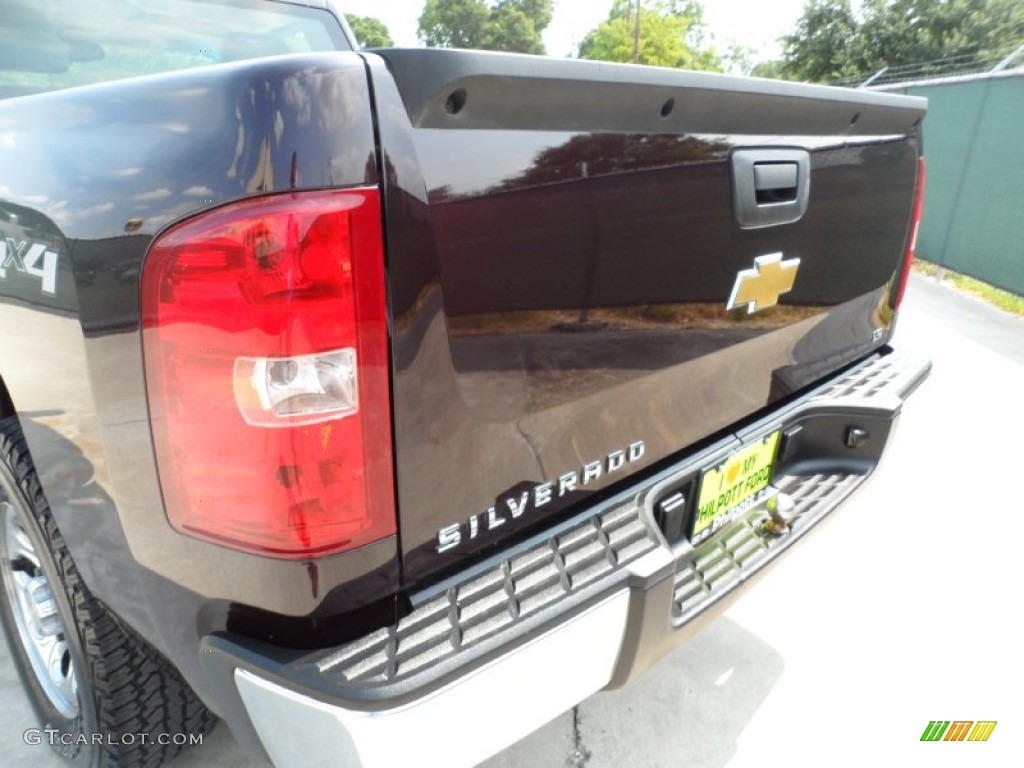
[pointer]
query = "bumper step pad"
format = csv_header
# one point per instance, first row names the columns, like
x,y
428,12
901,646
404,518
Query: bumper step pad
x,y
515,596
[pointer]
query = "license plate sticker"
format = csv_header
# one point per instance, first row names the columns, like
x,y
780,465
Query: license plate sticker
x,y
734,486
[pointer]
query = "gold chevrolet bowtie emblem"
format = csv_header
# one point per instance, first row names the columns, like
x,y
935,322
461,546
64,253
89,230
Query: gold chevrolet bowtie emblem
x,y
760,287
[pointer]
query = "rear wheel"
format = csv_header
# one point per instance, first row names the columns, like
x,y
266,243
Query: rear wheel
x,y
104,697
38,626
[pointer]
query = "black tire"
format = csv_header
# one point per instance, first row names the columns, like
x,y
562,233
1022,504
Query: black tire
x,y
125,688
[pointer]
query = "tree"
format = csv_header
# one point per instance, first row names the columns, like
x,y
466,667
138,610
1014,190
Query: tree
x,y
454,23
820,47
831,41
513,30
921,31
508,25
671,35
369,32
540,11
771,69
737,58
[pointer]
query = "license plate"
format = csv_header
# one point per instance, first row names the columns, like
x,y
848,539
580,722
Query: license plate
x,y
733,486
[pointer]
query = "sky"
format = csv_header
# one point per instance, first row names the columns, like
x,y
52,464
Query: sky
x,y
753,23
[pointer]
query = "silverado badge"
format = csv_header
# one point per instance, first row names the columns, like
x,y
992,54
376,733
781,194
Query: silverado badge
x,y
531,499
760,287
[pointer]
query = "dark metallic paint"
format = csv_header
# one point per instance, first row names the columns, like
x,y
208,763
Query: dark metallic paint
x,y
559,293
98,171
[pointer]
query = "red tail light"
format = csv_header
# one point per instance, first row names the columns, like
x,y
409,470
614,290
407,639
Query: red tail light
x,y
265,342
915,225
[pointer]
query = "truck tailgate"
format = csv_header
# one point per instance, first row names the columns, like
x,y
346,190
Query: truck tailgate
x,y
583,262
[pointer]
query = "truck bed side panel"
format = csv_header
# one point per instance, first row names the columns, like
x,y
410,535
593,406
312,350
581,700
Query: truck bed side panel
x,y
92,175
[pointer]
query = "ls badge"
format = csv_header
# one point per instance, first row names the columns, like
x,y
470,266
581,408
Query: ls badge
x,y
760,287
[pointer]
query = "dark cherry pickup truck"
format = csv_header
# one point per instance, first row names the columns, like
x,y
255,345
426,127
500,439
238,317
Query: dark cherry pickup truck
x,y
386,404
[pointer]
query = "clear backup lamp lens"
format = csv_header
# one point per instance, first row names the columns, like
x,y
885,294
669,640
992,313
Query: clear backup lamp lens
x,y
289,391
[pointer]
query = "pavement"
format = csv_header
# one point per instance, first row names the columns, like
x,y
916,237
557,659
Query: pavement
x,y
904,609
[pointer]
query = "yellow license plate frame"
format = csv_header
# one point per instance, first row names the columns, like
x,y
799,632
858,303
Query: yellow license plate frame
x,y
733,485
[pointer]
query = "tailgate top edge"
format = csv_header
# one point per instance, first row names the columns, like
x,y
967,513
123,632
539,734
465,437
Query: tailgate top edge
x,y
602,93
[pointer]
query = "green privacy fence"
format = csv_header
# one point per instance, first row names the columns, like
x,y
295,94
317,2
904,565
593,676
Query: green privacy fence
x,y
974,205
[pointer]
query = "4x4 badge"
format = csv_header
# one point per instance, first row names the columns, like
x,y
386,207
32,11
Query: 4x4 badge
x,y
24,257
760,287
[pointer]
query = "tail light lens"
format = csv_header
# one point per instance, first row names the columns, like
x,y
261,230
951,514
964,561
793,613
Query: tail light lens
x,y
915,225
265,343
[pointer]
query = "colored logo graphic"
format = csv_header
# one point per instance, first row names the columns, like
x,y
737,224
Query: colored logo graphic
x,y
760,287
958,730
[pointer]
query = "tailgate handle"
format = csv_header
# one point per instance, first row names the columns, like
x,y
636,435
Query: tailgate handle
x,y
770,186
775,182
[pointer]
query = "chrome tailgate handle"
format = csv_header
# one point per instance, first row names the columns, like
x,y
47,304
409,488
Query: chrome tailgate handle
x,y
770,186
